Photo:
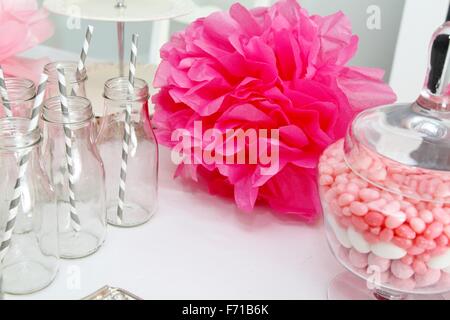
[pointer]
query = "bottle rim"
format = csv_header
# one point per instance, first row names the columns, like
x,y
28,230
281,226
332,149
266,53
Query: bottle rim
x,y
15,134
117,89
80,110
20,89
73,76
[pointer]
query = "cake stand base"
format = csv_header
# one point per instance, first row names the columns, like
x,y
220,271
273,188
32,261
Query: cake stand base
x,y
347,286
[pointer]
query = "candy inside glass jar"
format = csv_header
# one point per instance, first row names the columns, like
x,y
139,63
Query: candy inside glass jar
x,y
385,190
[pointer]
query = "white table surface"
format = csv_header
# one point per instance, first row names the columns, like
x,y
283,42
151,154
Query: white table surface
x,y
199,246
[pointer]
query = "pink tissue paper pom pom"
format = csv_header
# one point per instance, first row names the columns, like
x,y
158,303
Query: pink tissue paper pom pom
x,y
22,26
266,68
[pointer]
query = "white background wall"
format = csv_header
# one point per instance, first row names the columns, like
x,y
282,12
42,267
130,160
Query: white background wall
x,y
376,46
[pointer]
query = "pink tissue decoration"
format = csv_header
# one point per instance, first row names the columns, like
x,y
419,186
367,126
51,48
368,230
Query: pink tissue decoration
x,y
272,68
22,26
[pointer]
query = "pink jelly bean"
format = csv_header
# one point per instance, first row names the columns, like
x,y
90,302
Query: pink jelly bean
x,y
359,223
411,212
418,225
325,169
425,257
407,259
392,208
340,188
399,178
346,212
340,168
330,195
429,278
425,243
375,231
415,250
419,267
374,219
438,251
441,216
353,189
325,180
357,259
358,208
405,232
363,163
395,221
442,240
426,216
341,179
434,230
370,237
401,270
360,183
377,174
402,242
368,194
386,235
382,263
442,191
423,186
345,199
377,205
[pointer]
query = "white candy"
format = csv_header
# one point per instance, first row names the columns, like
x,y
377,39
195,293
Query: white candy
x,y
339,232
388,250
440,262
357,240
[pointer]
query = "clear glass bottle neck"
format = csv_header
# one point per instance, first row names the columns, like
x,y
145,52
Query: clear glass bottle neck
x,y
16,136
80,111
116,90
20,89
73,76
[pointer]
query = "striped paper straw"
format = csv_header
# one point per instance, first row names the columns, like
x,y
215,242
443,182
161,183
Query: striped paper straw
x,y
126,135
84,53
74,219
23,164
4,94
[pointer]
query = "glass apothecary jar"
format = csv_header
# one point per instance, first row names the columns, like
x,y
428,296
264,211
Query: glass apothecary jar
x,y
75,80
84,236
21,93
385,192
30,261
141,192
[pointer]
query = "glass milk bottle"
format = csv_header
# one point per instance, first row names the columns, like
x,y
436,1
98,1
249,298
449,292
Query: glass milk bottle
x,y
385,192
141,184
75,80
82,224
21,93
30,260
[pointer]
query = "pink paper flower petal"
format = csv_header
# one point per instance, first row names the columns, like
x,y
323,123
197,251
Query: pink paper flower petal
x,y
246,72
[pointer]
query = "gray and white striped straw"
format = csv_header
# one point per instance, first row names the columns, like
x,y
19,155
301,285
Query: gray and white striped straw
x,y
4,94
23,164
84,53
127,132
74,218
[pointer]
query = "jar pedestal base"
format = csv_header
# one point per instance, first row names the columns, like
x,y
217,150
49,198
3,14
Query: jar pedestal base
x,y
347,286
